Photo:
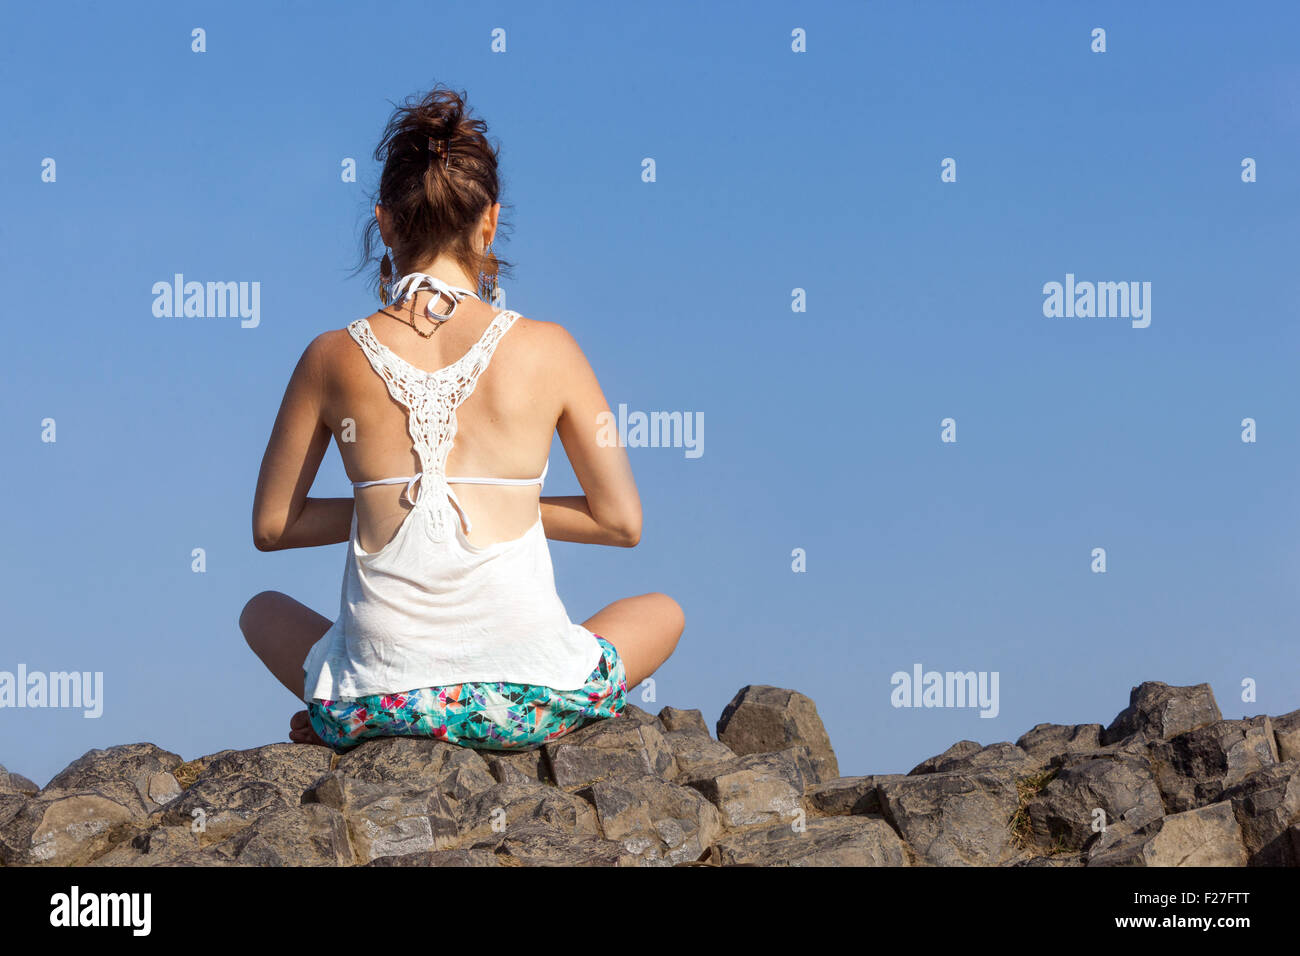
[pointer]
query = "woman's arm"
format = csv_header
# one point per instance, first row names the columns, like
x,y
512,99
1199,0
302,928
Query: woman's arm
x,y
610,511
283,515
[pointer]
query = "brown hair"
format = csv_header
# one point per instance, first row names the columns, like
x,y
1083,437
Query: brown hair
x,y
439,177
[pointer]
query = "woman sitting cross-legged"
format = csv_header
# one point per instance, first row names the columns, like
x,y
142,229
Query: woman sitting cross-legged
x,y
443,409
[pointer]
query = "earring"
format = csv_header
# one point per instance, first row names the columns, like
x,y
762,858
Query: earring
x,y
385,277
489,288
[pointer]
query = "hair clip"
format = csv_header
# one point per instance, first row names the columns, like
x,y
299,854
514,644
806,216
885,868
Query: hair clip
x,y
440,147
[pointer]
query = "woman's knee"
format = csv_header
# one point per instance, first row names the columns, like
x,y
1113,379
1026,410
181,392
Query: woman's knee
x,y
670,613
256,611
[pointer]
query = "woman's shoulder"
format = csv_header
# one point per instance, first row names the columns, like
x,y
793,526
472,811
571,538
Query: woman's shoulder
x,y
550,340
328,346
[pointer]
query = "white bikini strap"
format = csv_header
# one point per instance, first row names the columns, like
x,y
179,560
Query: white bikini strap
x,y
410,484
502,481
408,285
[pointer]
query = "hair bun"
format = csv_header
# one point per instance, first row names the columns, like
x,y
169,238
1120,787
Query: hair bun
x,y
437,207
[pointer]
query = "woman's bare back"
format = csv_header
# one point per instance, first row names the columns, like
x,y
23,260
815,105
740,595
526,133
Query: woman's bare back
x,y
504,427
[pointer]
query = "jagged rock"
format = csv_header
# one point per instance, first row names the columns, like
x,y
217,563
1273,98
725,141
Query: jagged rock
x,y
762,719
236,787
847,795
540,845
1002,755
65,828
1286,731
1053,860
1175,784
1193,768
509,805
440,858
1160,711
1063,814
151,846
1053,740
954,818
609,750
382,821
144,768
11,782
1207,836
308,835
660,822
692,720
518,766
1267,807
692,750
765,788
855,841
962,748
11,804
420,764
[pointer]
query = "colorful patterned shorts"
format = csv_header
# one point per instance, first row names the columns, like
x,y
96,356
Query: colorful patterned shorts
x,y
483,715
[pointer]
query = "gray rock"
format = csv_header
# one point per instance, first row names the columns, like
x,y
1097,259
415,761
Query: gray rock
x,y
1063,814
763,719
419,763
1267,807
537,844
65,828
386,821
1160,711
632,714
440,858
756,789
508,806
611,749
962,748
840,841
1207,836
1004,755
11,782
954,818
659,822
692,750
309,835
847,795
11,804
1286,731
124,773
236,787
1193,768
151,846
518,766
689,720
1053,740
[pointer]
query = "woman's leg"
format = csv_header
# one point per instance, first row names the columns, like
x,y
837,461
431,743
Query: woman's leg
x,y
644,629
281,631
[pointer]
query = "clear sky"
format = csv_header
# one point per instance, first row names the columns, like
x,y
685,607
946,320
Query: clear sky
x,y
775,170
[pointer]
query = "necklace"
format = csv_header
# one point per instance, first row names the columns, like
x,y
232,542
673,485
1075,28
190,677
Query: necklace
x,y
406,287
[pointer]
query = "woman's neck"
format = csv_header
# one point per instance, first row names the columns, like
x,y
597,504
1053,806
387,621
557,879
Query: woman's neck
x,y
444,268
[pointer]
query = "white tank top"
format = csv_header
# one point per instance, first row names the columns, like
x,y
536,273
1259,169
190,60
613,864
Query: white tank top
x,y
429,608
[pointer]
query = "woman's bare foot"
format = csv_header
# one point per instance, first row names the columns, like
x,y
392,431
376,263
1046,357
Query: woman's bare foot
x,y
301,732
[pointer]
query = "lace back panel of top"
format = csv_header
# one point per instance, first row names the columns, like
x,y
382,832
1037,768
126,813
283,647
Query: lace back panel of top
x,y
431,400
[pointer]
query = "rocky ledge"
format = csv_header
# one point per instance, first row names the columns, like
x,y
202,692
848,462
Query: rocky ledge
x,y
1168,783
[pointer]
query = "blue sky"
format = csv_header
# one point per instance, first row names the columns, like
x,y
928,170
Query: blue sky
x,y
775,170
